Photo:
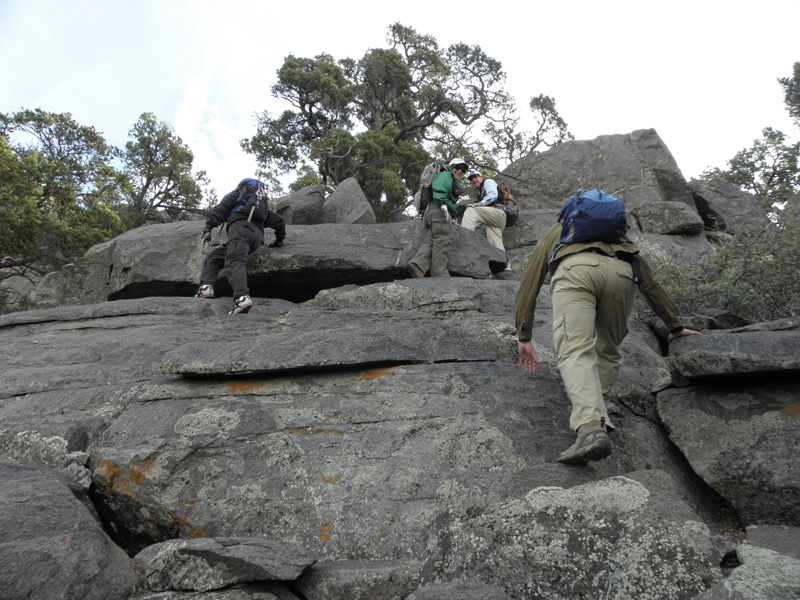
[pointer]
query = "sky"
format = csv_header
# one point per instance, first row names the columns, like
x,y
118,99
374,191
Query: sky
x,y
702,73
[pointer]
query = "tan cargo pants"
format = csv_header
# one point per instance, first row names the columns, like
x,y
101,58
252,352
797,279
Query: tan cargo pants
x,y
593,296
494,219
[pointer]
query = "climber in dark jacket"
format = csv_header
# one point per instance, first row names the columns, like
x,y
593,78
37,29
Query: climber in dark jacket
x,y
245,236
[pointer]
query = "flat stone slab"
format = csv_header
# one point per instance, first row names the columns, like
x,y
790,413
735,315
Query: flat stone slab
x,y
731,354
211,563
351,339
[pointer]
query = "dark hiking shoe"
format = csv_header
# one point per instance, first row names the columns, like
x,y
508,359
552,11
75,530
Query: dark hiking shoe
x,y
241,305
415,271
204,291
592,443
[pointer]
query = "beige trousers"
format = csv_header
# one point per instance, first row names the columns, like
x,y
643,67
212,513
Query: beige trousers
x,y
592,296
494,218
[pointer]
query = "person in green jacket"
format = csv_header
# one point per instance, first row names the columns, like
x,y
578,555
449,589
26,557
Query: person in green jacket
x,y
439,222
593,289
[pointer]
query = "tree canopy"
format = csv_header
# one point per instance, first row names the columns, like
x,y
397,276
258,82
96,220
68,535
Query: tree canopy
x,y
159,167
754,273
63,188
381,119
770,168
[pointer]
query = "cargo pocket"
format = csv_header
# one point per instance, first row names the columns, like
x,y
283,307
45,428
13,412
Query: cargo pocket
x,y
559,333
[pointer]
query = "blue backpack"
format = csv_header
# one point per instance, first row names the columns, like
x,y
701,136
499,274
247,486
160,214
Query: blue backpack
x,y
252,200
593,216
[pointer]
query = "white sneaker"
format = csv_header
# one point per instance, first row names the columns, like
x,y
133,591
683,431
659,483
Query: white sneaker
x,y
204,291
241,305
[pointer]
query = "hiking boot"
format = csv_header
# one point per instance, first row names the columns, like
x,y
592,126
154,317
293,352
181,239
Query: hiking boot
x,y
415,271
204,291
241,305
592,443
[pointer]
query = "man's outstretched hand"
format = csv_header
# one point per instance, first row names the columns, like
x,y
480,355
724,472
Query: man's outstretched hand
x,y
527,357
681,333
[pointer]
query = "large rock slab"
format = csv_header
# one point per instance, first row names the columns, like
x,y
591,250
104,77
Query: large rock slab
x,y
629,522
303,207
762,574
50,545
459,591
637,168
345,339
742,440
753,353
359,579
166,260
348,204
724,207
210,564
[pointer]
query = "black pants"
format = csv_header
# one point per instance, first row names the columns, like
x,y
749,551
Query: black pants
x,y
244,238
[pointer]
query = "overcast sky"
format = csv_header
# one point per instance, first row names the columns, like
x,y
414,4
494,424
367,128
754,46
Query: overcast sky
x,y
702,73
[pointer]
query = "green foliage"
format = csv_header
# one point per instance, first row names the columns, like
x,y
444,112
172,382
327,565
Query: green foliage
x,y
159,167
60,186
306,176
515,143
752,274
381,118
60,192
20,219
769,170
791,93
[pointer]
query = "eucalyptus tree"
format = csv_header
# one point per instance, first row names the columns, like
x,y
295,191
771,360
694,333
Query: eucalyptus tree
x,y
378,118
59,182
158,165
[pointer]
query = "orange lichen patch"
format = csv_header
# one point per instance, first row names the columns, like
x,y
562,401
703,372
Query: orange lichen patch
x,y
334,416
126,484
283,380
793,412
327,528
375,373
330,480
316,431
244,387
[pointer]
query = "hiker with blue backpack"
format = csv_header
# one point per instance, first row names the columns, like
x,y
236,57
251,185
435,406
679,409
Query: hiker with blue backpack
x,y
245,214
595,272
438,203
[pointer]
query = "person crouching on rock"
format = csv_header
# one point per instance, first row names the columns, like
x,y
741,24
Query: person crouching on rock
x,y
245,214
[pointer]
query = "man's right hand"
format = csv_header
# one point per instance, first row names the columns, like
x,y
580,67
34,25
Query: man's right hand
x,y
206,239
527,356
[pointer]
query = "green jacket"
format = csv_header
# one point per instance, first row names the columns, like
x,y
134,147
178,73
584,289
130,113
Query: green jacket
x,y
538,268
445,190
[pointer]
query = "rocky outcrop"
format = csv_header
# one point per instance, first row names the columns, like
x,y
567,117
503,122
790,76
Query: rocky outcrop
x,y
637,168
374,436
724,207
303,207
51,546
215,563
348,204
